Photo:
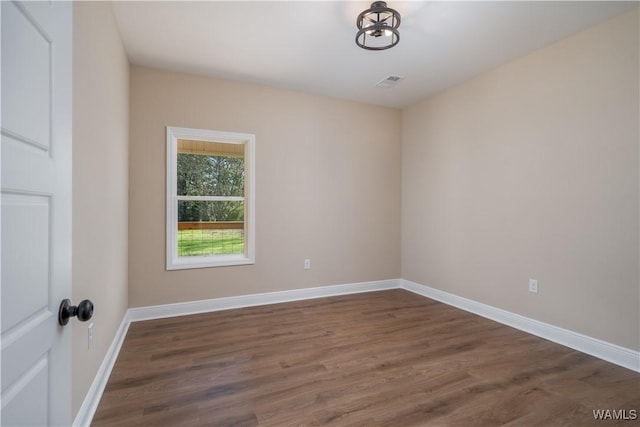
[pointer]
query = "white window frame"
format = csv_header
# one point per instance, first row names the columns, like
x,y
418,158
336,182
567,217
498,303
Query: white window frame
x,y
174,262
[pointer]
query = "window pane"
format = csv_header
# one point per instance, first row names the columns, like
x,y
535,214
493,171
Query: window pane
x,y
208,175
208,211
210,228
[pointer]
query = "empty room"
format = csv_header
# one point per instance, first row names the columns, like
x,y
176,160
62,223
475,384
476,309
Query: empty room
x,y
297,213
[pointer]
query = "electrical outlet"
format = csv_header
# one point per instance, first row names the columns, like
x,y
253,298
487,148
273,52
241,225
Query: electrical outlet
x,y
533,286
307,264
90,335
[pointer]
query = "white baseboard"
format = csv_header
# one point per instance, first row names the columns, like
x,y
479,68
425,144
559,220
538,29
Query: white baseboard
x,y
92,399
601,349
610,352
205,306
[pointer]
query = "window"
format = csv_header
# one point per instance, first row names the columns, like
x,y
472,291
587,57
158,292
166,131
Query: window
x,y
210,198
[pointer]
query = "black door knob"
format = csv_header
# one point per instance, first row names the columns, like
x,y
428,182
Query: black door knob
x,y
84,311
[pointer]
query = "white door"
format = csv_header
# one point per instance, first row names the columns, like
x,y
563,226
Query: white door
x,y
36,211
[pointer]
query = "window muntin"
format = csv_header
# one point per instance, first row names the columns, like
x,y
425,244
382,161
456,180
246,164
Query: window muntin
x,y
210,199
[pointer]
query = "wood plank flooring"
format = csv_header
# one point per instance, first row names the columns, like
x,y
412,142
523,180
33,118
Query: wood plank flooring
x,y
388,358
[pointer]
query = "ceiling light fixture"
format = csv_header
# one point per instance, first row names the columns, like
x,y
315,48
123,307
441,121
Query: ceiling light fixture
x,y
375,22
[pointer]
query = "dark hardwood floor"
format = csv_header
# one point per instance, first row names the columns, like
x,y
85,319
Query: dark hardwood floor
x,y
387,358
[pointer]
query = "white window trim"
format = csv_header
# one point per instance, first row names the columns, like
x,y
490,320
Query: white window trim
x,y
174,262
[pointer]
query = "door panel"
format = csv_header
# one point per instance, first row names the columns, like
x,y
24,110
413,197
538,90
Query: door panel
x,y
36,211
28,68
27,400
25,266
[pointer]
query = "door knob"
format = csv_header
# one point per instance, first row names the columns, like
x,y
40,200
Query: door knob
x,y
84,311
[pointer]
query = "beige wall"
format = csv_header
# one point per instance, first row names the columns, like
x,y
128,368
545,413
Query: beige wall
x,y
100,184
327,179
531,171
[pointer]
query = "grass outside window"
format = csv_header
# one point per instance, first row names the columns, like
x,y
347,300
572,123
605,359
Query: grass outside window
x,y
210,242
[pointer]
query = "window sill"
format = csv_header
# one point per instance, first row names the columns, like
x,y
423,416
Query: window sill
x,y
207,262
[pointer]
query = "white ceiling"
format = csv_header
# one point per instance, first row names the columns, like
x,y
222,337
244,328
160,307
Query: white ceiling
x,y
309,45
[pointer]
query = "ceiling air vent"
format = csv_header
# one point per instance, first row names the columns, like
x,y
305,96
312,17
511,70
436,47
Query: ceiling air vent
x,y
389,81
